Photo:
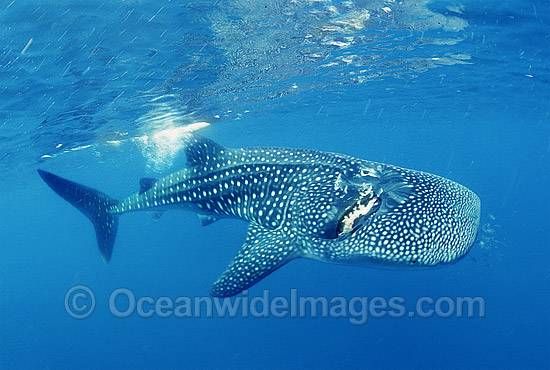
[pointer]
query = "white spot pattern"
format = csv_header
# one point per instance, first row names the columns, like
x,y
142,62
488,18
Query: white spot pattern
x,y
319,205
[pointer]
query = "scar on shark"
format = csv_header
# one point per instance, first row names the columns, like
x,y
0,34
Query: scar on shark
x,y
299,204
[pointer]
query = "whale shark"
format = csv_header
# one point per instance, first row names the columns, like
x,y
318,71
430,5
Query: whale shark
x,y
299,204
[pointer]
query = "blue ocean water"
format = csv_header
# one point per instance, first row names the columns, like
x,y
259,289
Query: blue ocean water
x,y
100,93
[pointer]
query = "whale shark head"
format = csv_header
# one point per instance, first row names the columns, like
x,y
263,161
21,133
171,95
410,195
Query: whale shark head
x,y
386,215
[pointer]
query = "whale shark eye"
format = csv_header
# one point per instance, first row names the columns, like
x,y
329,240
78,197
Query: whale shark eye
x,y
358,213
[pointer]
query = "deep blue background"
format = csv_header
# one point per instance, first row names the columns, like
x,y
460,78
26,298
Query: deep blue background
x,y
484,124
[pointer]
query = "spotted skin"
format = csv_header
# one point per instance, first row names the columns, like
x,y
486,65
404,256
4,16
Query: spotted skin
x,y
300,203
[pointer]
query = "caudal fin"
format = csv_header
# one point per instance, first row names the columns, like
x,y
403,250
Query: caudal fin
x,y
93,204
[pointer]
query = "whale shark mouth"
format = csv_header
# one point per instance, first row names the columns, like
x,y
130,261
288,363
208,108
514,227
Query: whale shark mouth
x,y
355,216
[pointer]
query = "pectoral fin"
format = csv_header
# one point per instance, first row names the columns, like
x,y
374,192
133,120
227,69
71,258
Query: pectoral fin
x,y
263,252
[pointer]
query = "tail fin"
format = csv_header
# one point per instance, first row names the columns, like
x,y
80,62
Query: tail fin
x,y
94,204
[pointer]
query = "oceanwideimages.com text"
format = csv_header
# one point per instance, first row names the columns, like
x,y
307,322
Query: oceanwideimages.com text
x,y
80,303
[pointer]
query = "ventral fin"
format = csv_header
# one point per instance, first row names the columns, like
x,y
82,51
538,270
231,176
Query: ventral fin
x,y
200,150
206,220
155,214
146,184
263,252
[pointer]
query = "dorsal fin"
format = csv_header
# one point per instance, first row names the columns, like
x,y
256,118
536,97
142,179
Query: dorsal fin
x,y
146,183
200,150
